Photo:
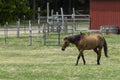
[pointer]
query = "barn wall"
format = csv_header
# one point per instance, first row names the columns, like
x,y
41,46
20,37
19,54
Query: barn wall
x,y
104,12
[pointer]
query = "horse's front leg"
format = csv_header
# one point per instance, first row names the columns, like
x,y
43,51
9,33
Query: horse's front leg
x,y
78,59
83,59
80,54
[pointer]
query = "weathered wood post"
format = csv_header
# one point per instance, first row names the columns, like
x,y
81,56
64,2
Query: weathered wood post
x,y
44,35
57,17
24,24
39,20
66,25
18,28
52,24
62,16
59,31
73,19
30,33
6,31
48,12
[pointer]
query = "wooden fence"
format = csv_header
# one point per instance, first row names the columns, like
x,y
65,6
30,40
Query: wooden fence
x,y
56,26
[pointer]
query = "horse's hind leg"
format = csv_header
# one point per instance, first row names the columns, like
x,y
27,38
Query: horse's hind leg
x,y
98,59
83,59
98,52
99,56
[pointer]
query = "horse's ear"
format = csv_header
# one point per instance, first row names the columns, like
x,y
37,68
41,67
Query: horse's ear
x,y
65,38
80,33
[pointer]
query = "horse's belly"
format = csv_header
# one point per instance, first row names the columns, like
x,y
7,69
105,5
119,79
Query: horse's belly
x,y
89,48
91,45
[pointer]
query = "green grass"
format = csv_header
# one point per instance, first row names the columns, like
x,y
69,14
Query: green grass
x,y
19,61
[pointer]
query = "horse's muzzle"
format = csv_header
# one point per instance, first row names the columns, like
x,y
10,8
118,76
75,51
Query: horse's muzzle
x,y
63,49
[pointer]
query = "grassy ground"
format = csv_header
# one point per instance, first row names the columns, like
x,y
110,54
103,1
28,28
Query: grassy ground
x,y
19,61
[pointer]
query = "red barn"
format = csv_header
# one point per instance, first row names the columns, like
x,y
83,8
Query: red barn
x,y
104,12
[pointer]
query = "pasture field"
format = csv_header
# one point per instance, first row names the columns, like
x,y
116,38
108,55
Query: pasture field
x,y
19,61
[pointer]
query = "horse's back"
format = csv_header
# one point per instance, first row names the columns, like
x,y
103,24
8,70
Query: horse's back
x,y
91,41
96,37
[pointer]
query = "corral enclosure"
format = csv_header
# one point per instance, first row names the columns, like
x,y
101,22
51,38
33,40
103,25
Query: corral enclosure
x,y
56,26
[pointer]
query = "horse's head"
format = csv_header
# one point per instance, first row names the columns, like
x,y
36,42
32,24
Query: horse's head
x,y
71,39
66,43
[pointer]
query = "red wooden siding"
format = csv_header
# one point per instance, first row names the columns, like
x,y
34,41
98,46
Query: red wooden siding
x,y
104,12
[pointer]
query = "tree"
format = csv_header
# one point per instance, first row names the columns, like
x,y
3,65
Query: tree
x,y
67,5
11,10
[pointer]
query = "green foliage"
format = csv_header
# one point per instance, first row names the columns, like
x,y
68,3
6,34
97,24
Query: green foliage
x,y
11,10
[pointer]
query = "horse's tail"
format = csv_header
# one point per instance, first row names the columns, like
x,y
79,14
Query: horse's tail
x,y
105,48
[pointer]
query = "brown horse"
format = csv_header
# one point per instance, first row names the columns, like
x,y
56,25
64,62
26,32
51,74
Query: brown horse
x,y
87,42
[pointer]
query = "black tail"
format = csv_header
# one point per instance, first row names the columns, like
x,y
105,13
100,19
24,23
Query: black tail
x,y
105,48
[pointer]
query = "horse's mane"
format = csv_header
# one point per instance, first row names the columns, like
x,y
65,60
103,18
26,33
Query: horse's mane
x,y
75,38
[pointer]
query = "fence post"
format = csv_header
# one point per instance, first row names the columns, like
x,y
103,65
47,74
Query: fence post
x,y
73,19
24,24
57,17
73,23
6,31
65,25
52,24
47,12
30,31
18,28
38,19
62,16
44,35
59,30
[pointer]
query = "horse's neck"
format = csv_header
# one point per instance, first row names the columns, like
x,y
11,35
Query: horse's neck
x,y
75,39
72,40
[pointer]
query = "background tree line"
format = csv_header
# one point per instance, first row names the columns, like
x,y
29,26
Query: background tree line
x,y
11,10
80,5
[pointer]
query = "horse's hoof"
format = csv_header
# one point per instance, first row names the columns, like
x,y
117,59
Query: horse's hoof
x,y
98,63
76,64
107,56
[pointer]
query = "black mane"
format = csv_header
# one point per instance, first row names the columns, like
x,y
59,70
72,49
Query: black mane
x,y
75,38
